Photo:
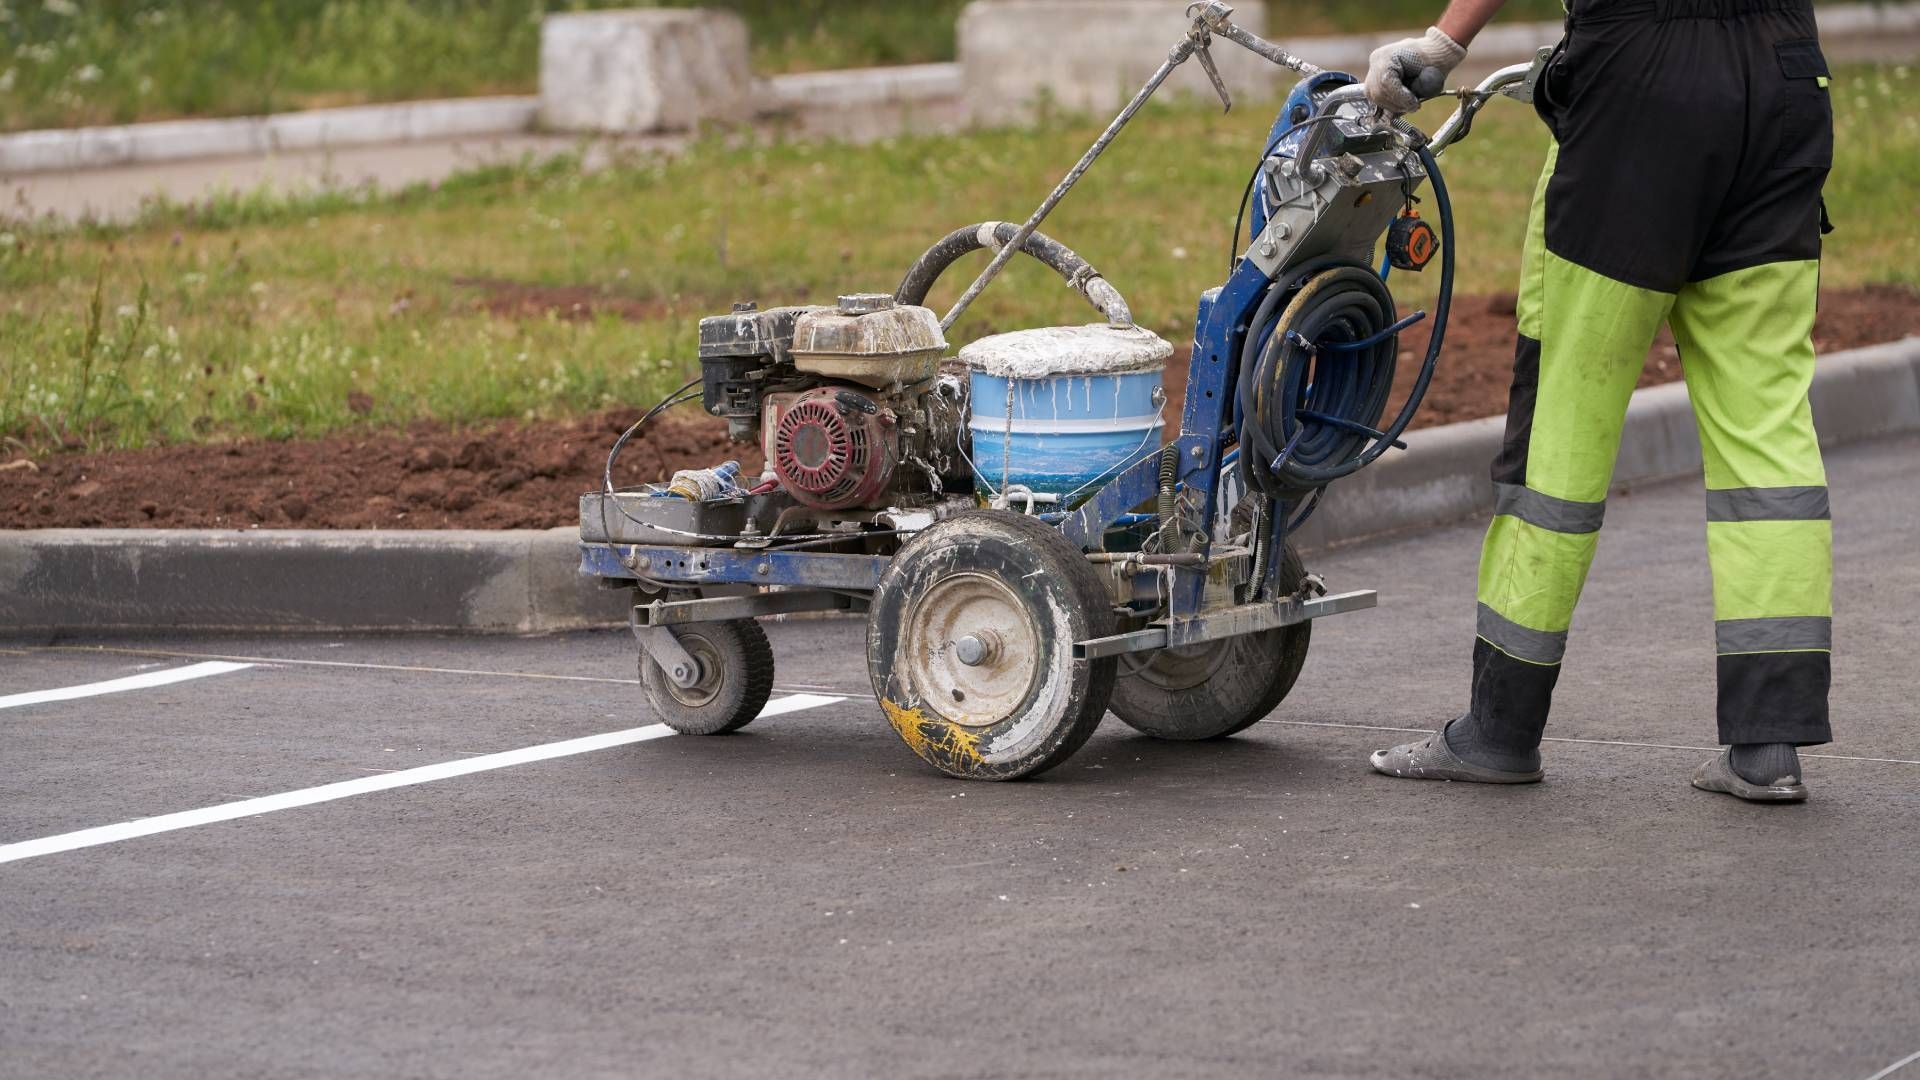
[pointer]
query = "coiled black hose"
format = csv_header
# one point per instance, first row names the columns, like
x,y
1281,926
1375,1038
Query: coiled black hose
x,y
1309,409
1078,273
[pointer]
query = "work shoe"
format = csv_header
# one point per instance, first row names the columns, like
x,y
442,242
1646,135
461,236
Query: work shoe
x,y
1717,775
1432,759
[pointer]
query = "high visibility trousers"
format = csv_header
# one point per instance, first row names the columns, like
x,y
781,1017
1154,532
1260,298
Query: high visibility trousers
x,y
1691,140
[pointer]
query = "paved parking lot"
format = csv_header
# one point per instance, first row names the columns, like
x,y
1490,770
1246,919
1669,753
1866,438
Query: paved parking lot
x,y
805,898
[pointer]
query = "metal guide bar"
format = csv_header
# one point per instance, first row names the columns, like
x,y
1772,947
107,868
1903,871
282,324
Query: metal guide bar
x,y
722,608
1230,622
714,566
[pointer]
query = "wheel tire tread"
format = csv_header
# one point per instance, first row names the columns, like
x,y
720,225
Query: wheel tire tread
x,y
754,665
1294,643
1085,590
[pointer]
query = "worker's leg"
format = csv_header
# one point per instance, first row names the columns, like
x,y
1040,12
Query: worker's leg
x,y
1745,342
1583,339
1744,323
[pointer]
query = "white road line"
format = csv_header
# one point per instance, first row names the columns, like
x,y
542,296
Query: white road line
x,y
410,668
1896,1066
187,819
163,677
1593,742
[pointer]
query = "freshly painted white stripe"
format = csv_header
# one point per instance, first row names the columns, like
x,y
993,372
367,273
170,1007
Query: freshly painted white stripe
x,y
413,668
1896,1066
267,804
163,677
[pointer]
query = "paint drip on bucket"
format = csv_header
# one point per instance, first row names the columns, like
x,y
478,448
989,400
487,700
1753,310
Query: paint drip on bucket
x,y
1060,409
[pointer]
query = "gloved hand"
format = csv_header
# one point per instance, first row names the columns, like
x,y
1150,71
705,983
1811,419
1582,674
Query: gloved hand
x,y
1397,74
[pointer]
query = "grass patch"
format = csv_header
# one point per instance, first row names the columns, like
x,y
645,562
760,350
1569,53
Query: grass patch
x,y
277,317
66,63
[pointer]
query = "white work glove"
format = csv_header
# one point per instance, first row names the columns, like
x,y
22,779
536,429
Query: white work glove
x,y
1395,81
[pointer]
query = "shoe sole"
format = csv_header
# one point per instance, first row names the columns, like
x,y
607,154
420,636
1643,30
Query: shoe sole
x,y
1755,792
1465,774
1718,777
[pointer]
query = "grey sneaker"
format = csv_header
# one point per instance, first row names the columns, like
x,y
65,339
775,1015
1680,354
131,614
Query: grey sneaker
x,y
1715,774
1432,759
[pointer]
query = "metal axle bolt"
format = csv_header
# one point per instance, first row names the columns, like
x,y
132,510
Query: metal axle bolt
x,y
976,649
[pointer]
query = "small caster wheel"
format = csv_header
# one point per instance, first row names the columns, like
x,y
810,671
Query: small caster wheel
x,y
970,646
1216,688
734,681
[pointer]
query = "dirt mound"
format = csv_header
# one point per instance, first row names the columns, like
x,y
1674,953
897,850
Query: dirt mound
x,y
507,476
529,475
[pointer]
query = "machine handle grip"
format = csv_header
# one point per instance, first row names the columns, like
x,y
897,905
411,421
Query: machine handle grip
x,y
1431,82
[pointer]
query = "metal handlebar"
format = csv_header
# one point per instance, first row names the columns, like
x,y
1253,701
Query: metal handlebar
x,y
1213,18
1515,80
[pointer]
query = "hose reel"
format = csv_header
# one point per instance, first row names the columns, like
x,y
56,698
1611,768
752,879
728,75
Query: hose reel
x,y
1317,370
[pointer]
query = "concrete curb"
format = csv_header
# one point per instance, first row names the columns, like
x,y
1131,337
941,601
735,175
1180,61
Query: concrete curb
x,y
857,88
419,121
56,581
248,136
59,581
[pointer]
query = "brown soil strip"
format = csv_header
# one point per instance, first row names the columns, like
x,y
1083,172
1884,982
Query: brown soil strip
x,y
515,475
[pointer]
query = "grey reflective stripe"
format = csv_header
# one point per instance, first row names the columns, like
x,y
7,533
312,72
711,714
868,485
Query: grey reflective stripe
x,y
1546,511
1768,504
1797,632
1520,642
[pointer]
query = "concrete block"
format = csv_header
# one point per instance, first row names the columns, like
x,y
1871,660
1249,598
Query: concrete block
x,y
1092,54
643,70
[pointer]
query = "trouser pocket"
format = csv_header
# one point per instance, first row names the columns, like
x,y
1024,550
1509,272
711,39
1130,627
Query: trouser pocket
x,y
1549,94
1806,111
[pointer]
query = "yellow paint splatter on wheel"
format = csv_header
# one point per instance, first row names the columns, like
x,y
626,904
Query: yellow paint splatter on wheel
x,y
934,739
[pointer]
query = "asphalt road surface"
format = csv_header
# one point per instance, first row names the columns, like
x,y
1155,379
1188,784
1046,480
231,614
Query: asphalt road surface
x,y
806,899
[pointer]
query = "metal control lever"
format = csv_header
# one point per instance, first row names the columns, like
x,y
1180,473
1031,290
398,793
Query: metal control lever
x,y
1210,19
1213,76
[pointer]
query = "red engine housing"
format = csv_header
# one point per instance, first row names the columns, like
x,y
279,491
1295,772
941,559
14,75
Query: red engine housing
x,y
833,447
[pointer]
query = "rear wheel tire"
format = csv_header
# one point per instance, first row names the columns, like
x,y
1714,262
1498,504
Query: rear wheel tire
x,y
1216,688
970,646
736,678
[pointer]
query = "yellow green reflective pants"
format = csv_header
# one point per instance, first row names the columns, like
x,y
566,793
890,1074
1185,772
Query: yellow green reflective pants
x,y
1707,218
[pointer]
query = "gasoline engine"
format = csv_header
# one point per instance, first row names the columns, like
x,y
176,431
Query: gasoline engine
x,y
847,402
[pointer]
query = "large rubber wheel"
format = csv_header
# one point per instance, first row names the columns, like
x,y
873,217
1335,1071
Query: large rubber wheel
x,y
736,678
1217,688
970,646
